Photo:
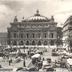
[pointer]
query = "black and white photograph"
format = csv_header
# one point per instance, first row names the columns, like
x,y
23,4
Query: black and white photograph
x,y
36,35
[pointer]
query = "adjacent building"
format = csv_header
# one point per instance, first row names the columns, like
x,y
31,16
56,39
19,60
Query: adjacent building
x,y
67,32
35,30
3,38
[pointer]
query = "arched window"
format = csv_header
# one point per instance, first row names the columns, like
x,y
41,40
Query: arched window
x,y
33,42
27,43
39,42
21,43
45,42
14,43
51,42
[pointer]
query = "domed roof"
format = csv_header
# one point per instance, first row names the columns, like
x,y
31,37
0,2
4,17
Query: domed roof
x,y
37,17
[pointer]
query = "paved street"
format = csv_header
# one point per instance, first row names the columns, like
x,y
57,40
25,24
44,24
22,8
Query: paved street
x,y
29,64
5,64
48,55
53,58
61,70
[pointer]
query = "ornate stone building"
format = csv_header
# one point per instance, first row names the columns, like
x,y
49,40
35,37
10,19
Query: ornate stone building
x,y
35,30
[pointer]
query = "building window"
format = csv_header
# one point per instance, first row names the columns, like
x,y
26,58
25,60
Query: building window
x,y
21,35
33,35
14,35
51,35
24,35
27,35
45,35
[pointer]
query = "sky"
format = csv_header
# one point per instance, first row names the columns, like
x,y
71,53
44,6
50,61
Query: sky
x,y
60,9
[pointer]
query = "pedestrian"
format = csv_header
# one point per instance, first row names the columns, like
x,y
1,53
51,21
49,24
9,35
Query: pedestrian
x,y
43,59
9,62
28,52
55,63
24,63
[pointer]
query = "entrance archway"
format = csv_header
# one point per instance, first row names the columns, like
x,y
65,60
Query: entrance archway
x,y
33,42
14,43
51,42
45,42
39,42
21,43
27,43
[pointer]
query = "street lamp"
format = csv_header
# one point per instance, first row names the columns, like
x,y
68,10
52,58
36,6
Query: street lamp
x,y
24,48
11,44
57,42
24,64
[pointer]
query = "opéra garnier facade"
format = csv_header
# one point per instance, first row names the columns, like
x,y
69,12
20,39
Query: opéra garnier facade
x,y
35,30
